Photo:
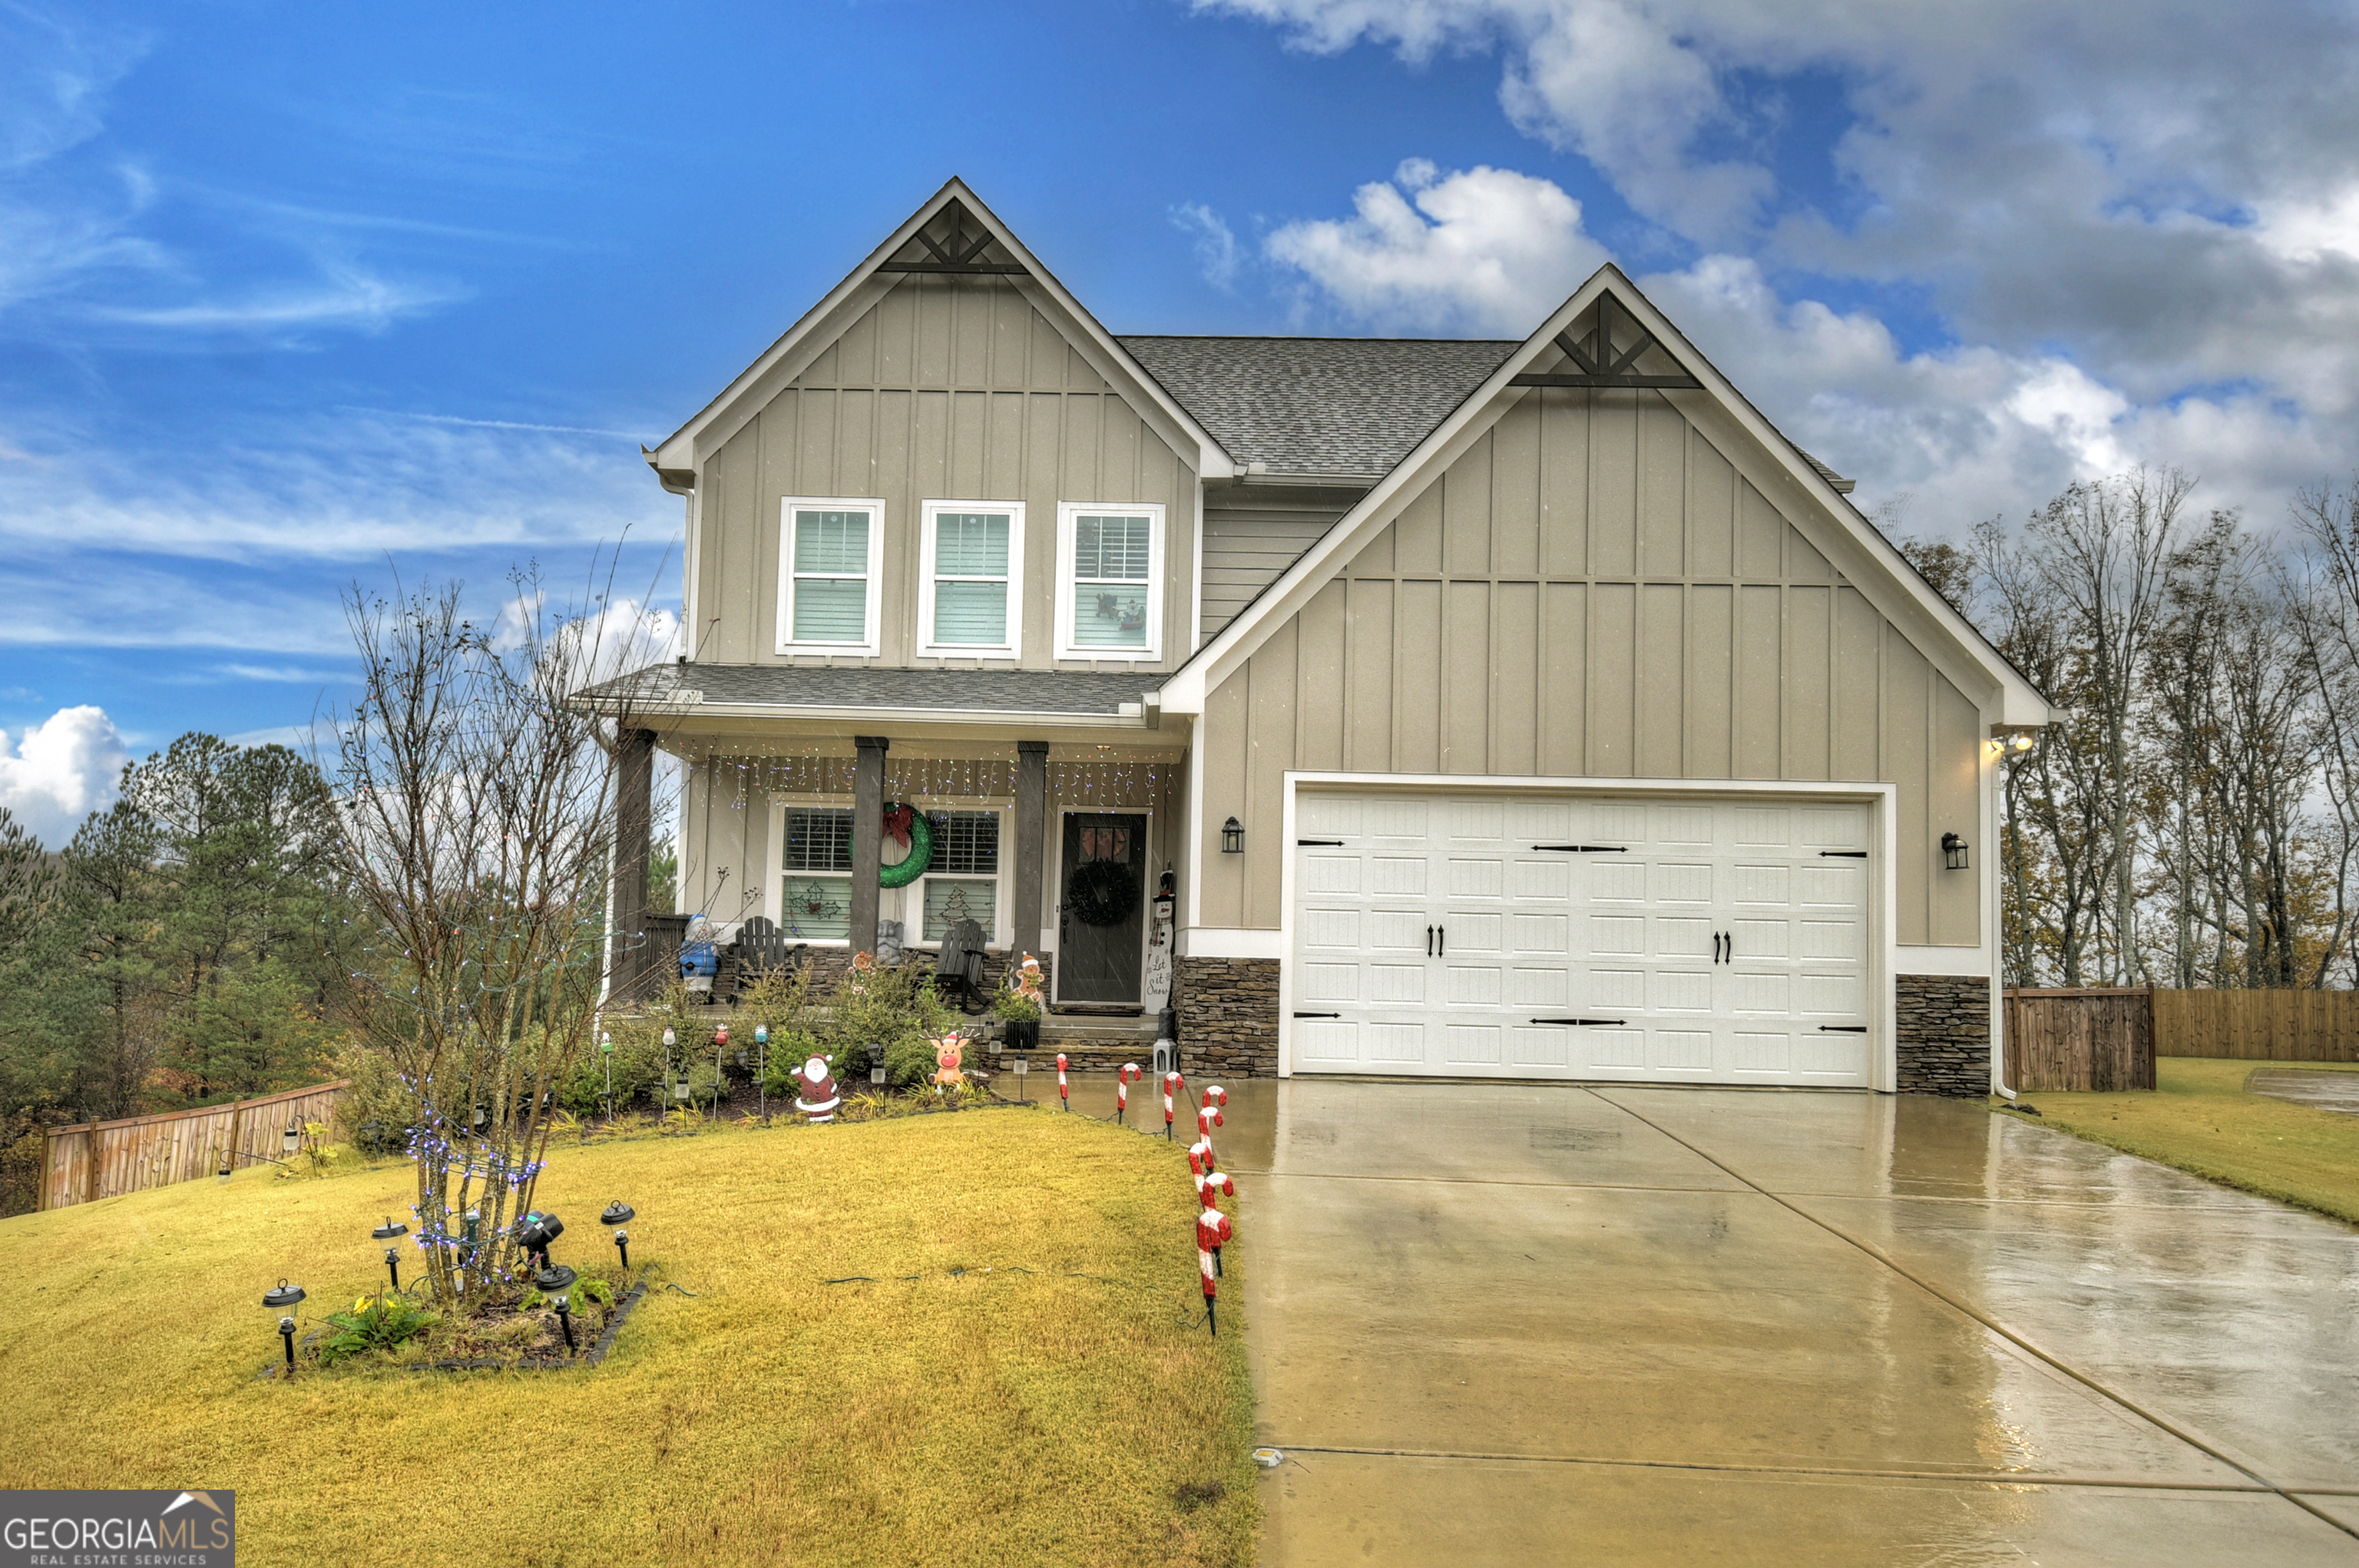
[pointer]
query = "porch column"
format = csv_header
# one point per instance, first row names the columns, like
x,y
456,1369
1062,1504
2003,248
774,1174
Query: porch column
x,y
867,836
1031,841
635,780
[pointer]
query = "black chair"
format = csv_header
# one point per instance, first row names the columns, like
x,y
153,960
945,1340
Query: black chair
x,y
761,947
959,966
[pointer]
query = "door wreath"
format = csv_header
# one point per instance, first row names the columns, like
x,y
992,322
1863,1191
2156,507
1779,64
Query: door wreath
x,y
1102,892
909,827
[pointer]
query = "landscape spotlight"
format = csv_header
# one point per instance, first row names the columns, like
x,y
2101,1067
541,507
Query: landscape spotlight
x,y
619,1214
539,1230
281,1299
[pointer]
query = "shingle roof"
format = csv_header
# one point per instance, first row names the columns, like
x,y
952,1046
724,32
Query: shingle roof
x,y
1327,407
968,690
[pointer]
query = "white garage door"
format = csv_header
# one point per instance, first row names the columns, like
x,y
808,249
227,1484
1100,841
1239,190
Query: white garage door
x,y
1554,937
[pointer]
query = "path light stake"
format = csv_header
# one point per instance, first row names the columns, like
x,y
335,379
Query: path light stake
x,y
762,1073
720,1042
1172,1085
1123,1081
1022,1067
1063,1099
280,1298
620,1213
554,1282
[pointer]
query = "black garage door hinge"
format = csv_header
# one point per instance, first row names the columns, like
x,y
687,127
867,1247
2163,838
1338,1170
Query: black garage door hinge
x,y
1582,1022
1587,848
1318,1015
1323,843
1843,854
1842,1028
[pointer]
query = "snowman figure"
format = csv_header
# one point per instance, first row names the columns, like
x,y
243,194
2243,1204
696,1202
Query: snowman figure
x,y
818,1098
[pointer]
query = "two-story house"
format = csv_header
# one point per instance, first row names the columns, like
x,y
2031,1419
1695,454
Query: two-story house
x,y
1529,710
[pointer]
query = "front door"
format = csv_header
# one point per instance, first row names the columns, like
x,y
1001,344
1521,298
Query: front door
x,y
1101,906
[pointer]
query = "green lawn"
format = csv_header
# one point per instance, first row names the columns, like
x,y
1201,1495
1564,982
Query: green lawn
x,y
2202,1118
994,1418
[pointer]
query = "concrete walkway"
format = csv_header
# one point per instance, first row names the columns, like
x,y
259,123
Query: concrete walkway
x,y
1507,1323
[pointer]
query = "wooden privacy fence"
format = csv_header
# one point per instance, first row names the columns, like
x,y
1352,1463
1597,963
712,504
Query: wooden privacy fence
x,y
102,1159
2258,1026
2081,1039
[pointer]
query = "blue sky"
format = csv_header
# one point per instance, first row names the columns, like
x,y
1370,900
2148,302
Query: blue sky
x,y
296,297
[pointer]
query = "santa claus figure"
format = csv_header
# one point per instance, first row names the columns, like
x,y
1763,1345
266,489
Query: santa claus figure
x,y
817,1098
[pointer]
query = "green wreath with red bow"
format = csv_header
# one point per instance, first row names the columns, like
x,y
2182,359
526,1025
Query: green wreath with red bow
x,y
905,824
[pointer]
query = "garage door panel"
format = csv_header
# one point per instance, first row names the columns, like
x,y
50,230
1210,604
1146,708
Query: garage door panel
x,y
1761,993
1615,1048
1473,986
1400,930
1616,935
1613,822
1326,1042
1472,931
1390,984
1534,821
1761,1052
1331,816
1688,1050
1681,825
1398,876
1394,1044
1531,985
1839,940
1339,930
1751,939
1841,887
1764,825
1612,877
1615,990
1402,817
1830,996
1538,1045
1472,1045
1678,882
1482,821
1759,884
1673,991
1530,879
1831,827
1679,936
1330,982
1475,876
1830,1056
1549,934
1329,873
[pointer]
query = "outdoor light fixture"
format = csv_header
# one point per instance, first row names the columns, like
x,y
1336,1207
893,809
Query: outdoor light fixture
x,y
539,1230
761,1072
1953,852
553,1282
386,1232
670,1038
281,1299
1233,838
619,1214
875,1062
294,1137
1022,1067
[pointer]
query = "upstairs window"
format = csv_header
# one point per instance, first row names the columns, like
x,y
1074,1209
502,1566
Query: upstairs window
x,y
1109,570
826,582
971,594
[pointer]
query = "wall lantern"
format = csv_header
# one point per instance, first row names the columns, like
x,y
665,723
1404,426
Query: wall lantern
x,y
1233,838
280,1299
1953,852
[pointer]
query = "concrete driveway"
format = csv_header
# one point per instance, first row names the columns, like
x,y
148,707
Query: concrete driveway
x,y
1507,1323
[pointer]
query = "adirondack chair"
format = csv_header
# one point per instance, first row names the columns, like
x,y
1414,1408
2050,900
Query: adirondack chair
x,y
959,966
761,947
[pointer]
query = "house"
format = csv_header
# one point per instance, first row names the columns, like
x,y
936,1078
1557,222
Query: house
x,y
1527,710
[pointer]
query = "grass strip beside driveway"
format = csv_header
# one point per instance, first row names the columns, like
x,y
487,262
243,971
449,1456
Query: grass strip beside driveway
x,y
2203,1120
998,1418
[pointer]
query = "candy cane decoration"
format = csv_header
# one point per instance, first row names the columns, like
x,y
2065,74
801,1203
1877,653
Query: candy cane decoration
x,y
1062,1098
1129,1074
1172,1085
1211,1230
1211,1179
1208,1114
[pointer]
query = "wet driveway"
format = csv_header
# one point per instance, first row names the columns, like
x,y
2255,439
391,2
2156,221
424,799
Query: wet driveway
x,y
1505,1323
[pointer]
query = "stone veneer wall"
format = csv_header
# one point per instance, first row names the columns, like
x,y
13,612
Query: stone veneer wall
x,y
1228,1016
1941,1035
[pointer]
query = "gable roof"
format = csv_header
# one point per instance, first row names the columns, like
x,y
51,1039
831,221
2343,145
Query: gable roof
x,y
1342,408
1549,356
922,246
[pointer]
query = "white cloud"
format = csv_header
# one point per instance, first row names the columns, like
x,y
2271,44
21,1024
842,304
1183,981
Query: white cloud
x,y
1217,254
1481,251
55,773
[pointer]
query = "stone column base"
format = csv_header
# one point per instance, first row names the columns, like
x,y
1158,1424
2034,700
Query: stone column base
x,y
1941,1035
1228,1016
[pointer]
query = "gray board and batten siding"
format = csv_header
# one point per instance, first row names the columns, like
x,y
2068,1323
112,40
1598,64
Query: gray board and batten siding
x,y
1594,590
941,390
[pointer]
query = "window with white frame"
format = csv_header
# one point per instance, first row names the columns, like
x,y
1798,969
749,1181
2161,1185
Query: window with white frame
x,y
815,874
828,555
971,589
962,880
1109,582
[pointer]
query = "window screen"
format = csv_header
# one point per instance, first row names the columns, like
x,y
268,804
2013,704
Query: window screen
x,y
965,842
970,579
830,571
1111,569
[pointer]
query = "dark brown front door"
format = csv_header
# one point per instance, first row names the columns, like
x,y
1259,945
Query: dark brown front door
x,y
1100,907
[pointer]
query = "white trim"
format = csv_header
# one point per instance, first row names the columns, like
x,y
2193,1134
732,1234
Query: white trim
x,y
1966,962
1196,578
867,647
1883,1072
1051,936
1158,575
1231,942
1010,648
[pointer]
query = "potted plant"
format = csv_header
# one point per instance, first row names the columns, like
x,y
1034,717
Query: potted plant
x,y
1018,1007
